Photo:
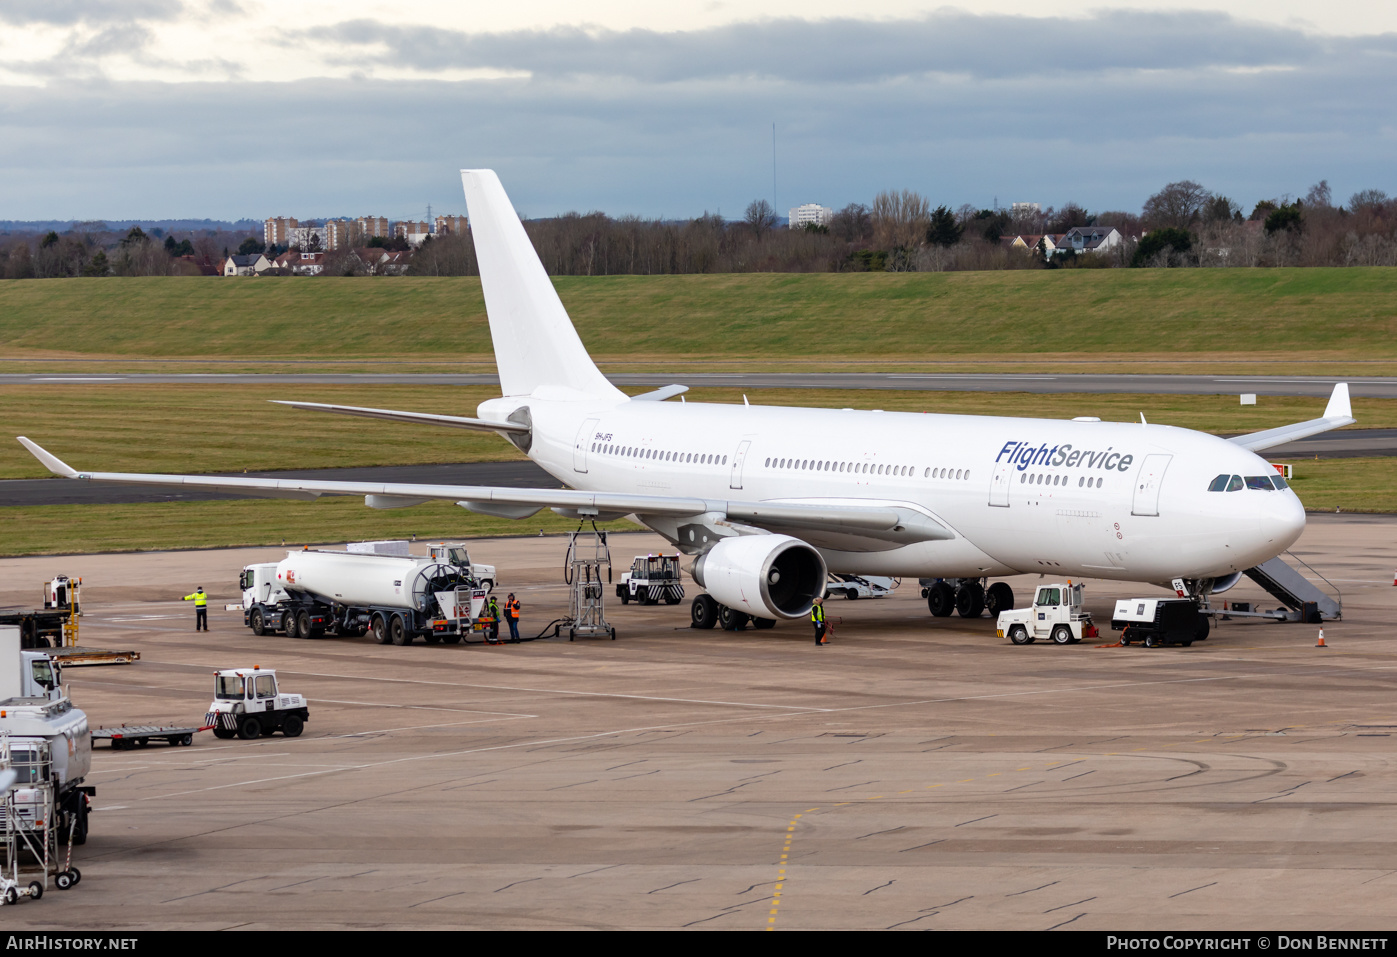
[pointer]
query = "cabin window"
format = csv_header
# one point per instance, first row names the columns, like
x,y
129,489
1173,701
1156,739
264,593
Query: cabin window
x,y
1235,484
1280,482
1049,596
1260,482
1219,484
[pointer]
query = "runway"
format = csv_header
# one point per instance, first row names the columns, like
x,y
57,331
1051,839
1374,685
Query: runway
x,y
1383,387
57,491
916,774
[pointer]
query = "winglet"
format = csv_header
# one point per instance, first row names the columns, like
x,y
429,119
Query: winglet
x,y
1338,407
51,462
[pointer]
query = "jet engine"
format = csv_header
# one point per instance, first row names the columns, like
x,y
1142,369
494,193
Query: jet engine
x,y
1222,584
767,576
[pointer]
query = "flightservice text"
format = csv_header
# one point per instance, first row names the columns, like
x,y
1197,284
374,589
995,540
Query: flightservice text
x,y
1023,454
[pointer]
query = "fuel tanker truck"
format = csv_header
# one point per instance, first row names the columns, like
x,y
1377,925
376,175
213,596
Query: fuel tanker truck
x,y
313,593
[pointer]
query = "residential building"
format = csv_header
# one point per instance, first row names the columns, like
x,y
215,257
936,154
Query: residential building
x,y
811,214
1091,239
246,265
275,231
394,263
337,233
301,264
454,225
307,238
414,232
371,226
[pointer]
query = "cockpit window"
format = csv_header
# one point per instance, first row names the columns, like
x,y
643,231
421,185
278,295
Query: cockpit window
x,y
1234,484
1280,482
1261,482
1219,484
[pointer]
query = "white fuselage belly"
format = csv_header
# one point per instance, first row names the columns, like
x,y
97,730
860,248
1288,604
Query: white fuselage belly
x,y
1069,502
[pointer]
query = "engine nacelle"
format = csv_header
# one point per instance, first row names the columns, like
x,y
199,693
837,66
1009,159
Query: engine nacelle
x,y
768,576
1224,583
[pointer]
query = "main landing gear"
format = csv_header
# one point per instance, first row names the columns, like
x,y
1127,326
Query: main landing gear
x,y
967,597
705,613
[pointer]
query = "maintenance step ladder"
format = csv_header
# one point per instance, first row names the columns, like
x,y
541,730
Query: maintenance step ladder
x,y
1303,597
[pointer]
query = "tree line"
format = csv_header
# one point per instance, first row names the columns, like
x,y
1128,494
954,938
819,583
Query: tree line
x,y
1182,225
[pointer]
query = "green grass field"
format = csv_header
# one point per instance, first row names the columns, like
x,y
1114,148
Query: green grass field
x,y
1103,320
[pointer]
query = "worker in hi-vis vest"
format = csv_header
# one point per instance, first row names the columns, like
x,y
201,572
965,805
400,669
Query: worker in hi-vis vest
x,y
511,615
201,608
817,617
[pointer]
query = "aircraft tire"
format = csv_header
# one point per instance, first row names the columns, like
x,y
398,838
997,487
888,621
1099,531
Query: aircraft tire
x,y
999,597
970,600
703,613
941,600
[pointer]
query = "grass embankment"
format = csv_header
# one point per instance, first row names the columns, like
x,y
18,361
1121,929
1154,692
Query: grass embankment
x,y
1294,320
229,428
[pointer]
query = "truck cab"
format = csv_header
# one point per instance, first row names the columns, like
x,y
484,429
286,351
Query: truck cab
x,y
652,579
248,704
457,555
1056,614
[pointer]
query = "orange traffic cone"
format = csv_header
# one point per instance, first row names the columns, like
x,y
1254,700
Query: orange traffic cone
x,y
1320,643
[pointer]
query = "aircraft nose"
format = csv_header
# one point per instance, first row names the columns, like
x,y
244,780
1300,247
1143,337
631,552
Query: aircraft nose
x,y
1282,520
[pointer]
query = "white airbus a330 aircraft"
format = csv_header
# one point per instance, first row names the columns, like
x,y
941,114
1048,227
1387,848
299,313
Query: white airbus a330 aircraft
x,y
769,500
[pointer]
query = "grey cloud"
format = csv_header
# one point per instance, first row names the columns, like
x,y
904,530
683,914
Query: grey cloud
x,y
846,50
73,12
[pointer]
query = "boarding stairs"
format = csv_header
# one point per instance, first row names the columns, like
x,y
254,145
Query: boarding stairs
x,y
1302,596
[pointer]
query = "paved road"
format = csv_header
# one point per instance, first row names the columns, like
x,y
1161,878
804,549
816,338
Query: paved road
x,y
1369,386
1347,444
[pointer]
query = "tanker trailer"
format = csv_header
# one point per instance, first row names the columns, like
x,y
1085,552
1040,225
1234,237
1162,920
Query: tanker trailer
x,y
345,593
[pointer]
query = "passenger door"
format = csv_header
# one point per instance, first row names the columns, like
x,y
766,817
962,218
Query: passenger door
x,y
1146,498
999,484
736,480
582,443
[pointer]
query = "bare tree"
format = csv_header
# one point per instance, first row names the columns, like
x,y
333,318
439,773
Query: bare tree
x,y
900,219
1177,205
1320,195
760,217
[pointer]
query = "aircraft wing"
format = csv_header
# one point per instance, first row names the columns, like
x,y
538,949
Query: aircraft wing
x,y
1337,414
881,522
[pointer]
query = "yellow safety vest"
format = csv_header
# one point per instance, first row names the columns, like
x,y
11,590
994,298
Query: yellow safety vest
x,y
817,614
199,599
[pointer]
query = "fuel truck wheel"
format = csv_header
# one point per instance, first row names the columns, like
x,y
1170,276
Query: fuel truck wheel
x,y
397,630
379,627
970,600
703,613
257,622
941,600
303,626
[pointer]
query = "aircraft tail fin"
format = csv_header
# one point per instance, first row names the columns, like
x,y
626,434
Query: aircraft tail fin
x,y
535,342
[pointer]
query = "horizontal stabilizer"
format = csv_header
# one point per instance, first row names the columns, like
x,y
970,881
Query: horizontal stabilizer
x,y
419,418
1337,414
659,395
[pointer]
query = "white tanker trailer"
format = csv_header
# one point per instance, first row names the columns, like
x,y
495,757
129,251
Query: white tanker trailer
x,y
311,593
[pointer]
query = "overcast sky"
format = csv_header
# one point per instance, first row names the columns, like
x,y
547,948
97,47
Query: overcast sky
x,y
245,108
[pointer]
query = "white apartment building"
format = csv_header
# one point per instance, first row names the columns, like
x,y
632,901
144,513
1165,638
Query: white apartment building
x,y
414,232
811,214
